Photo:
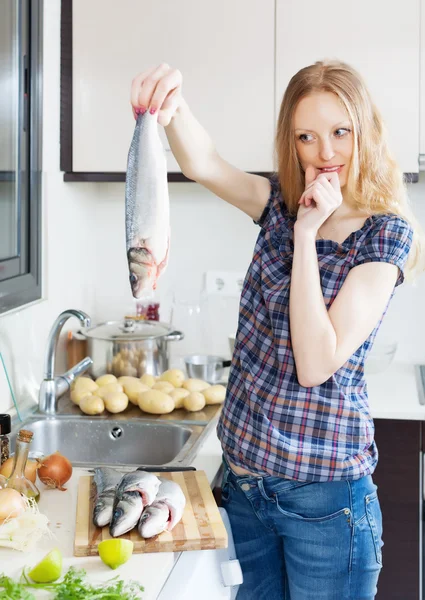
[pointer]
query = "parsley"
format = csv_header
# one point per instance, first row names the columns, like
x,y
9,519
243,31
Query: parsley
x,y
74,586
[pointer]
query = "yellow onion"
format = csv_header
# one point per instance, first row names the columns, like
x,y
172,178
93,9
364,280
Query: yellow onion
x,y
30,469
55,470
11,504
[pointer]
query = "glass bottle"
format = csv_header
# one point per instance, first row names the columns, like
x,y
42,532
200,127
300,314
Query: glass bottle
x,y
5,429
17,479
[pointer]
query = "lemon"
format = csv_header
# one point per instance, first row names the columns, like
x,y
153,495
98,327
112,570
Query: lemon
x,y
115,552
48,569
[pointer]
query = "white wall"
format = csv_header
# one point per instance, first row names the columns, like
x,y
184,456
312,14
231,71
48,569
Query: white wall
x,y
84,253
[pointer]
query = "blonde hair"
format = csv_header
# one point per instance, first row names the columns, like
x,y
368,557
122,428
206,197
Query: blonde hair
x,y
375,183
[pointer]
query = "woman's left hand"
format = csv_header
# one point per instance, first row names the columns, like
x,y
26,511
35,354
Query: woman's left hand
x,y
322,196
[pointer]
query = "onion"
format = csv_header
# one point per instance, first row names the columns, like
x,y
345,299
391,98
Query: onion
x,y
55,470
11,504
30,469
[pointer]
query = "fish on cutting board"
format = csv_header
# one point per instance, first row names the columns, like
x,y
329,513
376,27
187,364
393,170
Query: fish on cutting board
x,y
166,510
146,484
147,209
126,513
106,481
136,490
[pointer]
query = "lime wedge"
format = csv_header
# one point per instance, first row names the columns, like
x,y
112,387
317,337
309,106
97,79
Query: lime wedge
x,y
48,569
115,553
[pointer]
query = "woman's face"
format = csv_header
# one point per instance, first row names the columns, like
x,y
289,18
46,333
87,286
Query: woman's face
x,y
323,134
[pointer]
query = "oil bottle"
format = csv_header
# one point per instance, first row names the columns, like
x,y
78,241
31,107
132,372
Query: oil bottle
x,y
17,479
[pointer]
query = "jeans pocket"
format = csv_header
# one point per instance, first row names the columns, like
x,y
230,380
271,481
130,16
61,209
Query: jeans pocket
x,y
319,519
374,517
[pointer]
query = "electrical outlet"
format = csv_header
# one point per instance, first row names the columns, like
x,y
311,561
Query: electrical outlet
x,y
224,283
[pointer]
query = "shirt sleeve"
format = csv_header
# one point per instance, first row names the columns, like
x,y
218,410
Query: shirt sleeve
x,y
269,214
389,242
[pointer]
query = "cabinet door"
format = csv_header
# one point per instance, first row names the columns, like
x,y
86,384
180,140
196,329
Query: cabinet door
x,y
398,477
225,51
379,38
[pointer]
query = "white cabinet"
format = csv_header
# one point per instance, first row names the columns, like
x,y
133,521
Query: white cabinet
x,y
224,49
379,38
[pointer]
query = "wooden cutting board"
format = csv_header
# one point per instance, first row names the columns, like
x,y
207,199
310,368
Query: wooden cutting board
x,y
201,527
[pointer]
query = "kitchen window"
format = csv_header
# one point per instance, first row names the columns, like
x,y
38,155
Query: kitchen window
x,y
20,152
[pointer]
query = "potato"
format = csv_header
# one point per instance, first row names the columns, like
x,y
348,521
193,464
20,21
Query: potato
x,y
115,402
105,379
195,385
78,395
156,402
133,388
215,394
148,379
194,401
85,383
177,395
163,386
92,405
173,376
108,389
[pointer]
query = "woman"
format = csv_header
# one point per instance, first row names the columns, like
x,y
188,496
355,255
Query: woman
x,y
336,238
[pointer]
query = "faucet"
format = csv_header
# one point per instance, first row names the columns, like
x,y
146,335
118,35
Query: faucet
x,y
53,387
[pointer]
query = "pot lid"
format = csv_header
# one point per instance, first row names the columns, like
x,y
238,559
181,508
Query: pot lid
x,y
128,330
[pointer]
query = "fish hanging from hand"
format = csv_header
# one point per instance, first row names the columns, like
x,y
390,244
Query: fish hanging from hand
x,y
147,207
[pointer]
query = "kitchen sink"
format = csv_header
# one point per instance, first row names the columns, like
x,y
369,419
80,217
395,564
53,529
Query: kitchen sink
x,y
92,442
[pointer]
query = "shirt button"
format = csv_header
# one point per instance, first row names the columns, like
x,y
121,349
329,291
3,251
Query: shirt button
x,y
245,487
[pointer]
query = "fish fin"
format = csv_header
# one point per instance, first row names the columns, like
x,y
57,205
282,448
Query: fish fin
x,y
164,262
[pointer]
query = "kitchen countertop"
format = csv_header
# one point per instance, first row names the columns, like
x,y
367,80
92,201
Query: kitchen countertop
x,y
393,394
151,570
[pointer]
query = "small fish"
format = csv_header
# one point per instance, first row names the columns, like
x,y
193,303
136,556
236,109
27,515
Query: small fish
x,y
126,513
146,484
147,206
165,512
106,481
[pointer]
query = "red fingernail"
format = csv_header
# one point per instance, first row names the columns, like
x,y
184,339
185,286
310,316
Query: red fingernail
x,y
152,111
143,109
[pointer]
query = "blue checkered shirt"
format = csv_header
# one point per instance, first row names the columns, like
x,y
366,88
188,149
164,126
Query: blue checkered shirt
x,y
270,424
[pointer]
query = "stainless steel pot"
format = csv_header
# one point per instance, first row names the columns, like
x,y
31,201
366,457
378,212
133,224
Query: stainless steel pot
x,y
207,367
130,347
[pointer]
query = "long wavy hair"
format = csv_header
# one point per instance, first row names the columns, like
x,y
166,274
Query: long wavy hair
x,y
375,183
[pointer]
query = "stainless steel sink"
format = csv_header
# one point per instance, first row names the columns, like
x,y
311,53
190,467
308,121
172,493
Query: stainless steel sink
x,y
134,443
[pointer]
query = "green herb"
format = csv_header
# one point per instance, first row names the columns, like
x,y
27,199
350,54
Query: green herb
x,y
74,586
9,590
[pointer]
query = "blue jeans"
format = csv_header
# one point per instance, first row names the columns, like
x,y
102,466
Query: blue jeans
x,y
305,540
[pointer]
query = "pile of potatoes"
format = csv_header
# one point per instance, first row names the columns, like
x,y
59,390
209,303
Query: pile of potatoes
x,y
154,395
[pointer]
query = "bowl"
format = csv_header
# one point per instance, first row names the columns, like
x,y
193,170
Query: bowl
x,y
208,367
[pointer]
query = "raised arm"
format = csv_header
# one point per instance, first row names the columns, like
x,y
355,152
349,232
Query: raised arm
x,y
159,90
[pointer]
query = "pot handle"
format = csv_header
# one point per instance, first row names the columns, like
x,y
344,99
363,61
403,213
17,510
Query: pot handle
x,y
174,336
226,363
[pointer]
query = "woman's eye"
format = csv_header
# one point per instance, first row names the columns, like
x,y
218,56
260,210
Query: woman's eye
x,y
303,137
342,131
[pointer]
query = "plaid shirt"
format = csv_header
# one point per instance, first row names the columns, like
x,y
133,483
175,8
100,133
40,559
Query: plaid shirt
x,y
270,424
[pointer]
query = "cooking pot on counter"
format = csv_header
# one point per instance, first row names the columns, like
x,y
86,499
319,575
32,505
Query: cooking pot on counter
x,y
130,347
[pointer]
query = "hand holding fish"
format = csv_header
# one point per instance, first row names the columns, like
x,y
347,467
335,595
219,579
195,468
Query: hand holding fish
x,y
322,196
158,90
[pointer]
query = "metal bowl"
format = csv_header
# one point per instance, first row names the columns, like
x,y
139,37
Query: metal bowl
x,y
205,366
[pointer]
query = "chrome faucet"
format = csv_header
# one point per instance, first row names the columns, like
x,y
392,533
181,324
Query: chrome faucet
x,y
53,387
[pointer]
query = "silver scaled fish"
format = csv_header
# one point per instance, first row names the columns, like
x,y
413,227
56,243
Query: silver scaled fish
x,y
136,490
165,512
147,207
106,481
